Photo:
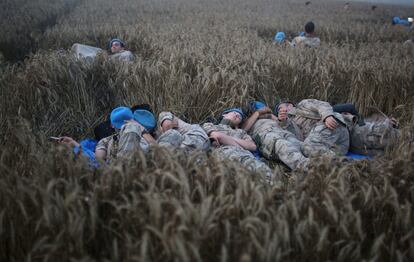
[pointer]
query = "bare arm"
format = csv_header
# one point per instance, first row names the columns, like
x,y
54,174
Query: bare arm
x,y
150,139
224,139
265,112
250,121
100,154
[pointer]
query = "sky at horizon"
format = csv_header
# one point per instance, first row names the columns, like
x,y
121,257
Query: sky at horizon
x,y
405,2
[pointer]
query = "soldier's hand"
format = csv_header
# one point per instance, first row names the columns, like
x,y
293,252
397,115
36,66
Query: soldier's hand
x,y
394,122
282,116
215,137
265,110
169,124
330,122
65,140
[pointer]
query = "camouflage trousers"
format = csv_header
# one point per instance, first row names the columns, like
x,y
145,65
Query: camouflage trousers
x,y
283,146
195,139
245,158
324,141
374,138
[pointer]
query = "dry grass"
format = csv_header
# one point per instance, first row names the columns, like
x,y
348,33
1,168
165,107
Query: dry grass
x,y
196,58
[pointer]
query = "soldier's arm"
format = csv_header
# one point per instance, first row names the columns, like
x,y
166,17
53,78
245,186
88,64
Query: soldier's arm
x,y
150,139
100,150
210,127
247,144
182,126
249,122
224,139
264,113
324,109
129,138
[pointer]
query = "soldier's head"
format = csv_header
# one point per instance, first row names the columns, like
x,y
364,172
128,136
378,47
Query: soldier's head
x,y
116,45
103,130
232,117
251,106
119,116
284,105
309,28
146,119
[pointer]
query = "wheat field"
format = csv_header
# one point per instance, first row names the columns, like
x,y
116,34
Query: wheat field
x,y
196,58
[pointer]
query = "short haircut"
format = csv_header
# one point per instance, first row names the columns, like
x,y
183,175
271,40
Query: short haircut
x,y
310,27
142,106
103,130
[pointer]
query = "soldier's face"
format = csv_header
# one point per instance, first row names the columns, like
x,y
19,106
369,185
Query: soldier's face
x,y
286,107
234,117
116,47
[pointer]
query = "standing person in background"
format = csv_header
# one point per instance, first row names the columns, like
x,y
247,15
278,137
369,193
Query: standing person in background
x,y
309,39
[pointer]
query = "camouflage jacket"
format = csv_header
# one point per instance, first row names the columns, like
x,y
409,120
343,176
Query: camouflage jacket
x,y
309,112
303,41
263,126
128,139
124,55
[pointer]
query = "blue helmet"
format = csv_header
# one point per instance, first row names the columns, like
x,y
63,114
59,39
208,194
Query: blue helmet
x,y
237,110
256,105
145,118
279,37
122,43
119,115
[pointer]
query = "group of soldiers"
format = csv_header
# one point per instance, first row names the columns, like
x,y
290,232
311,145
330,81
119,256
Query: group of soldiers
x,y
290,133
307,38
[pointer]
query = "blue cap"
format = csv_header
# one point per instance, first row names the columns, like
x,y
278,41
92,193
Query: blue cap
x,y
145,118
279,37
122,43
258,105
119,115
302,34
237,110
396,20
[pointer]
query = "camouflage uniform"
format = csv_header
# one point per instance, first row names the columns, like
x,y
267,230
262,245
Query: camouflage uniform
x,y
237,153
308,115
128,140
373,137
123,55
304,41
187,136
277,143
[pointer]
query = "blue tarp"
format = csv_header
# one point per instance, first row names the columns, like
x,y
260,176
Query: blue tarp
x,y
87,149
358,156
